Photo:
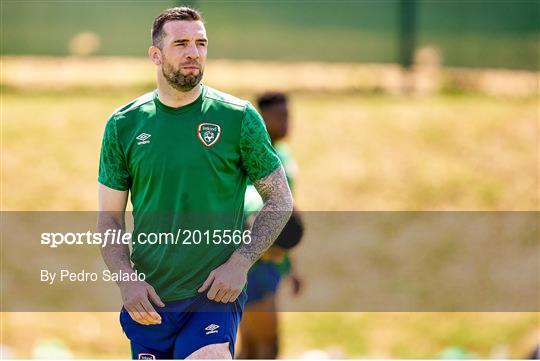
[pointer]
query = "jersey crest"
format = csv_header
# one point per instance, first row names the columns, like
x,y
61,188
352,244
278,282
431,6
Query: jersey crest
x,y
208,133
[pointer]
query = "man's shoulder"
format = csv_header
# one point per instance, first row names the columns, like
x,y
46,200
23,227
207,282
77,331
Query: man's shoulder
x,y
225,100
134,106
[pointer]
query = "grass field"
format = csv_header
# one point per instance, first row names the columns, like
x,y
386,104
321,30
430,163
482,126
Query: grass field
x,y
356,151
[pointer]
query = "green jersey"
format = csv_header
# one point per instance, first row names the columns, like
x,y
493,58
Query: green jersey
x,y
186,168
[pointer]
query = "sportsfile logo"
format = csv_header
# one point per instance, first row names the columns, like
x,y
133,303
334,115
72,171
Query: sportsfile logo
x,y
211,329
143,138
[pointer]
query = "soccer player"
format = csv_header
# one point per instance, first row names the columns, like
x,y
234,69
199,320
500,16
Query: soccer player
x,y
185,151
259,326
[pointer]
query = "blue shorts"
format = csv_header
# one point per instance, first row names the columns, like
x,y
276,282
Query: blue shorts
x,y
186,326
263,279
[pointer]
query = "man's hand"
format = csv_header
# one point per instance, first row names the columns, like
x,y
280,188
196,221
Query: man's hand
x,y
227,281
136,296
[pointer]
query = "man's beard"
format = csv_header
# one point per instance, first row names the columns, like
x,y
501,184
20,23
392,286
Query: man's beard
x,y
179,81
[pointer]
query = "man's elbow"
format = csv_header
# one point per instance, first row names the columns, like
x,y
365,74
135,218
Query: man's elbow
x,y
289,201
280,201
285,202
110,220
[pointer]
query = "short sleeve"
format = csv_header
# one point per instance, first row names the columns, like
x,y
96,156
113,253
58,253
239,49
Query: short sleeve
x,y
113,170
259,158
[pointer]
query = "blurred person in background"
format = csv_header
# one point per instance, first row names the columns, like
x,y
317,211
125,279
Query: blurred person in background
x,y
186,147
259,326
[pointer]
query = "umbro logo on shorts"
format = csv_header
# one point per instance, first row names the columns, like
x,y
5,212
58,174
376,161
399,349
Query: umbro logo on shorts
x,y
211,329
146,356
143,138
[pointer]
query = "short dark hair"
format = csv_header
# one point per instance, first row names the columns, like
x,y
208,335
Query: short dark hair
x,y
172,14
270,98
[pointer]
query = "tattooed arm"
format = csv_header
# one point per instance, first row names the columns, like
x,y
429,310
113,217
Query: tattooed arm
x,y
275,213
228,280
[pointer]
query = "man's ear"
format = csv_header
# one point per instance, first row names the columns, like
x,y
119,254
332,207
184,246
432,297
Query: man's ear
x,y
155,55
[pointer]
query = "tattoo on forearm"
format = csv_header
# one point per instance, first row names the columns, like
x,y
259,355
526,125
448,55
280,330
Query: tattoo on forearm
x,y
275,213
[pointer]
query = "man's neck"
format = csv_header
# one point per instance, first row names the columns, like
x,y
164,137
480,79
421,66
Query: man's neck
x,y
175,98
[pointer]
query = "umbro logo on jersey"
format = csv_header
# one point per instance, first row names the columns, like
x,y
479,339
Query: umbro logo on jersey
x,y
211,329
143,138
208,133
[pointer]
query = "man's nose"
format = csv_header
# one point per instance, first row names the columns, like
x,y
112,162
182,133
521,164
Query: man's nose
x,y
192,52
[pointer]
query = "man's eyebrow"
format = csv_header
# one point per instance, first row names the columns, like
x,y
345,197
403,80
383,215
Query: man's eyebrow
x,y
204,40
